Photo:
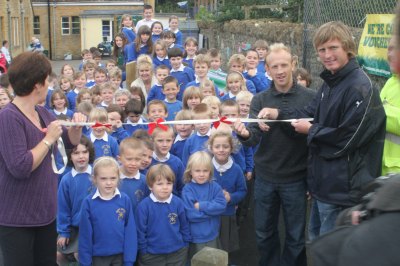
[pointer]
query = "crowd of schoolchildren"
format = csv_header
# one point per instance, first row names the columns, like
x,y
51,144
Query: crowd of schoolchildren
x,y
153,193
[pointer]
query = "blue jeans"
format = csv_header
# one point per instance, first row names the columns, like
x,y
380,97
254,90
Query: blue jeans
x,y
323,217
268,199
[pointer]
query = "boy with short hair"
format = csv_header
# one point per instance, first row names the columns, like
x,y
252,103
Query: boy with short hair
x,y
183,74
100,75
237,62
110,64
97,57
183,132
133,111
115,118
169,37
163,140
79,83
197,141
244,99
104,144
215,73
52,84
171,89
261,46
133,183
89,68
147,20
107,91
86,55
156,109
115,77
155,92
148,149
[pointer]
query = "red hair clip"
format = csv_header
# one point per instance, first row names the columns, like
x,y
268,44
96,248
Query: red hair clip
x,y
222,120
98,124
154,125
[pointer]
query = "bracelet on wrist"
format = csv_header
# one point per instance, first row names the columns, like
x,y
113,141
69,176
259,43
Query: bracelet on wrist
x,y
47,144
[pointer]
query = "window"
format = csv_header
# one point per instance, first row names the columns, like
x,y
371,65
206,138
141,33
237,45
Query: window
x,y
36,25
70,25
16,37
106,30
65,26
76,25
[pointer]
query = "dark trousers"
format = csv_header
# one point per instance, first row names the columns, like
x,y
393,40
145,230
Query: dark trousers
x,y
269,197
29,246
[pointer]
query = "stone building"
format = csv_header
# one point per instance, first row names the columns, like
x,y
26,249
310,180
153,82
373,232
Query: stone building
x,y
15,24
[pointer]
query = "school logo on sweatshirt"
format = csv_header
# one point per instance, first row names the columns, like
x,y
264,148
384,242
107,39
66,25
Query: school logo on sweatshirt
x,y
121,212
106,150
139,194
172,218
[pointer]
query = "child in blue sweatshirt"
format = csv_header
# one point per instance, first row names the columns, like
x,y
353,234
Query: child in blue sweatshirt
x,y
104,144
127,28
204,203
74,187
142,44
115,117
197,141
183,74
134,119
162,227
133,183
229,176
155,92
183,132
107,230
170,89
162,145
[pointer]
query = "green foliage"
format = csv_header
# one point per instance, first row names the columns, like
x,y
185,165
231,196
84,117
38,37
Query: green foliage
x,y
230,12
204,15
170,6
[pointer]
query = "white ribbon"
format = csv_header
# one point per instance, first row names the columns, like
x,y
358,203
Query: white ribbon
x,y
61,149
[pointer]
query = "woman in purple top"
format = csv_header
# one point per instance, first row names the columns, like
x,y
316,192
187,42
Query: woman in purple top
x,y
28,185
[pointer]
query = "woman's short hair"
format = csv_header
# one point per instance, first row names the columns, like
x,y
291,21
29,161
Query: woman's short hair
x,y
27,70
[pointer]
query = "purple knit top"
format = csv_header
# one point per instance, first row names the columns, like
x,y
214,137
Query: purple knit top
x,y
26,198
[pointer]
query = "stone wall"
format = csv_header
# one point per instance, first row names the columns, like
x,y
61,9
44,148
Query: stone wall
x,y
236,36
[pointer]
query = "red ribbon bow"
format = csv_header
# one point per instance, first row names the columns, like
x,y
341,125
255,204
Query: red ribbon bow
x,y
222,120
98,124
154,125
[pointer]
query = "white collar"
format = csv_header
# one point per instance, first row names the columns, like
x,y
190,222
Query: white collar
x,y
129,28
76,90
231,95
140,121
207,134
224,167
137,176
64,112
154,199
93,138
103,104
174,31
143,45
162,58
87,171
166,100
157,84
179,138
97,194
248,71
161,160
187,57
181,68
171,46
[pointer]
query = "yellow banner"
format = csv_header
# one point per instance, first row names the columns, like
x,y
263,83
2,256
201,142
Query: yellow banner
x,y
372,50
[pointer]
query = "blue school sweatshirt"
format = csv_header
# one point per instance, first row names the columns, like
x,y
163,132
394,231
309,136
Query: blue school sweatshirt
x,y
243,157
184,75
155,93
131,128
73,189
71,96
260,81
173,109
129,34
189,62
234,182
162,228
204,222
107,146
120,134
250,86
132,55
157,61
179,38
193,143
177,167
69,113
177,147
107,228
155,37
261,66
136,189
